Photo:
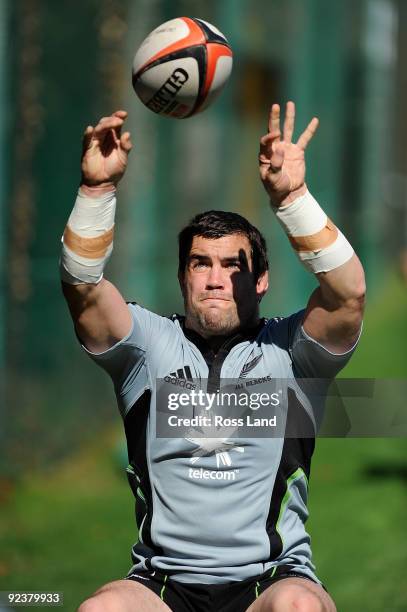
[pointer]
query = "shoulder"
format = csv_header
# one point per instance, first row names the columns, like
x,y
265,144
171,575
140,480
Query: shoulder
x,y
310,358
153,321
154,332
282,330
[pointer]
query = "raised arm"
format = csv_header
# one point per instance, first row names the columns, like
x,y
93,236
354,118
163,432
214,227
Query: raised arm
x,y
99,312
334,312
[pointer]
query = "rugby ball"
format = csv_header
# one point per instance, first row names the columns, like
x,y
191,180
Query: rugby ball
x,y
181,67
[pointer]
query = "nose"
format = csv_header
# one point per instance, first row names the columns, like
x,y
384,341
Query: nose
x,y
215,278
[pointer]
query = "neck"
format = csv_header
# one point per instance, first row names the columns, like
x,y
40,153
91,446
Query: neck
x,y
215,341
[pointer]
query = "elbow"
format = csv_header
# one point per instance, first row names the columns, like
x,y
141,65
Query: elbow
x,y
360,291
355,302
355,289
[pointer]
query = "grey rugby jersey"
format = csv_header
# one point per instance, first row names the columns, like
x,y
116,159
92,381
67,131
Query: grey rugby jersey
x,y
241,511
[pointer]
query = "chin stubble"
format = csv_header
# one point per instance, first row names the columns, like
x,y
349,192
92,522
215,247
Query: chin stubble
x,y
220,324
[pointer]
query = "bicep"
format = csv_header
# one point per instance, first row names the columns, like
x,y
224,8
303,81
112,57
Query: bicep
x,y
337,329
128,361
334,313
100,314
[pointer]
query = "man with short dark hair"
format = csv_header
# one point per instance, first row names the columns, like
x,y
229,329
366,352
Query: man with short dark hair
x,y
220,520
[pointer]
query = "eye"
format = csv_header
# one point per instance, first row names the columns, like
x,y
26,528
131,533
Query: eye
x,y
234,265
199,265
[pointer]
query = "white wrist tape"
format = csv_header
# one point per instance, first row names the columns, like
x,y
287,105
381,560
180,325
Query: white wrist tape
x,y
319,244
87,242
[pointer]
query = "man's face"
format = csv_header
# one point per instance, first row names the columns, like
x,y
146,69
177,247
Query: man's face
x,y
219,289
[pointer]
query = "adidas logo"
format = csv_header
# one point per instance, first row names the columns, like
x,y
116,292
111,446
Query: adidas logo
x,y
184,373
181,378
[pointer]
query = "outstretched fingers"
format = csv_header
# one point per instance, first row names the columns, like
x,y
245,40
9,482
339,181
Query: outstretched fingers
x,y
289,122
274,121
308,133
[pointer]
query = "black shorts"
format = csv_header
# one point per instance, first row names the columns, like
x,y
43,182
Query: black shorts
x,y
229,597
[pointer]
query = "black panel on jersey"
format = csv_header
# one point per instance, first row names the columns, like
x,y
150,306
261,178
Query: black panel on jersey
x,y
210,35
143,551
135,427
214,360
297,453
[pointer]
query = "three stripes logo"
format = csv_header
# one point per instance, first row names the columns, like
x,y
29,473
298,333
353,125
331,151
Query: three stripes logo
x,y
184,373
181,378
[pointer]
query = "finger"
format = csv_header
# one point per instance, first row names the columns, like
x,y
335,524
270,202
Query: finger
x,y
116,133
308,133
276,161
105,119
87,138
125,142
120,113
274,119
266,146
108,128
108,123
289,122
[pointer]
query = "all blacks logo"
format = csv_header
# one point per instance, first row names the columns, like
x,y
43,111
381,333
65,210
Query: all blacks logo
x,y
168,91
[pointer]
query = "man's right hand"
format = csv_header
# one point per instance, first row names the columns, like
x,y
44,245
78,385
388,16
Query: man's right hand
x,y
105,151
99,312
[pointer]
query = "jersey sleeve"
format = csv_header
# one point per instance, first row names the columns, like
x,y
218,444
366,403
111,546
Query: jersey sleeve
x,y
310,358
127,361
313,367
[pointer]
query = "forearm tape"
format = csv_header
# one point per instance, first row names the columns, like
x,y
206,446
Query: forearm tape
x,y
87,242
319,244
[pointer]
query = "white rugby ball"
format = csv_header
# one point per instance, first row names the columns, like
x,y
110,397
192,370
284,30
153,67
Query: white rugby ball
x,y
181,67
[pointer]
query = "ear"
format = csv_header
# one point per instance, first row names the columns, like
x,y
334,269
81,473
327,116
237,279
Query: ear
x,y
262,285
181,283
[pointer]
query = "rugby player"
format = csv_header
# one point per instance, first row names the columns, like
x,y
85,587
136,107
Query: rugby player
x,y
229,534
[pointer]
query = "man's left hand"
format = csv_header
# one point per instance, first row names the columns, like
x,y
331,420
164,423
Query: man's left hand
x,y
282,163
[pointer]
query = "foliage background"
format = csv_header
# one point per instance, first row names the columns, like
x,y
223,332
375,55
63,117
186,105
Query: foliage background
x,y
66,512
